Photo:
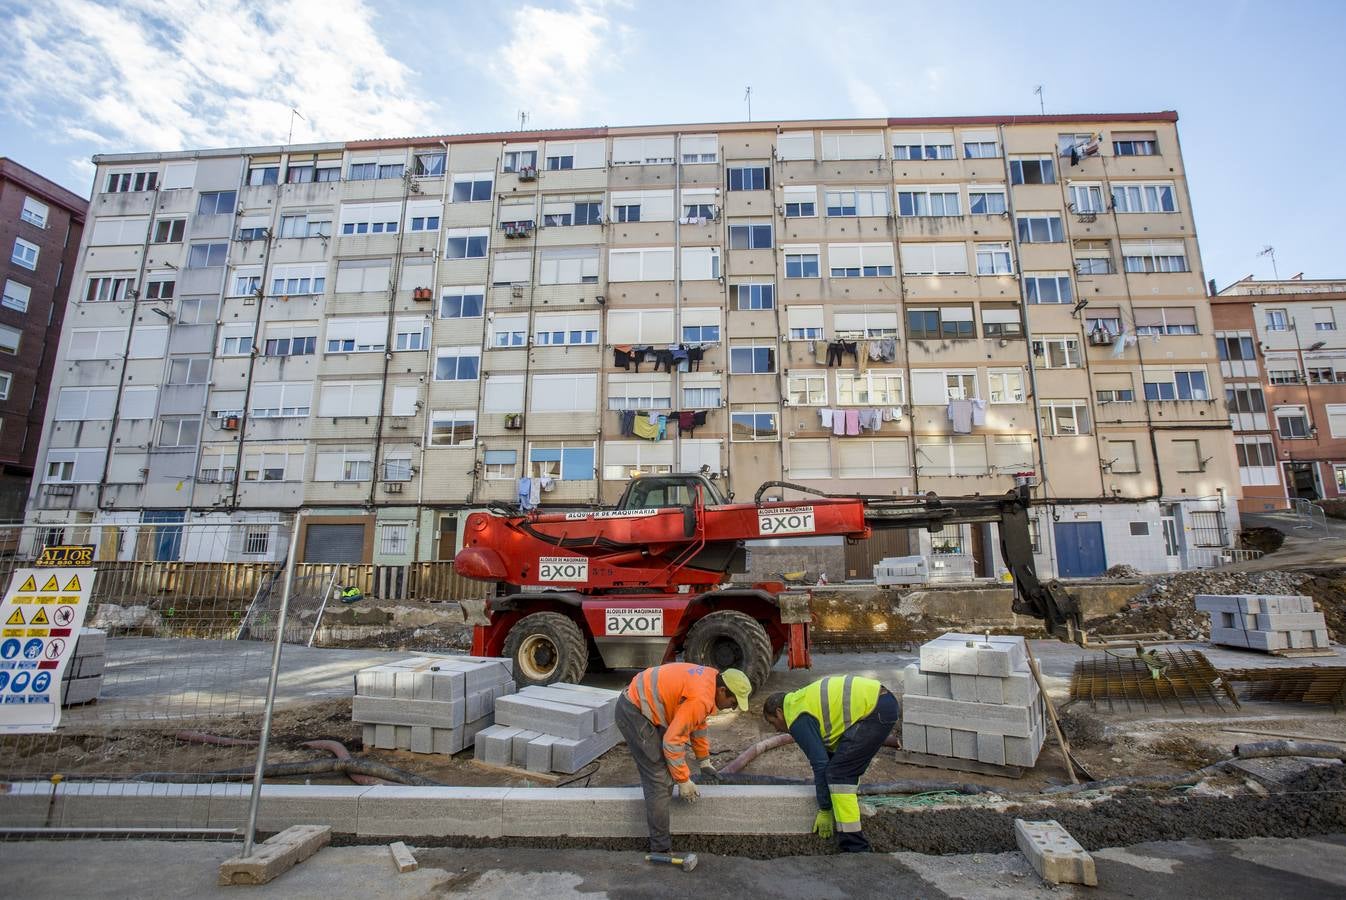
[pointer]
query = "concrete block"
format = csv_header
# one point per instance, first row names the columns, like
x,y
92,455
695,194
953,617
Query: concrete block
x,y
81,690
938,740
505,661
935,657
569,756
87,666
605,708
479,704
991,749
938,684
1056,856
913,738
396,810
403,859
392,711
1020,689
385,737
914,681
546,716
989,690
537,758
981,717
586,689
968,654
91,642
963,743
421,739
284,805
518,753
495,745
1022,751
1299,639
367,736
964,687
1300,621
454,740
477,672
275,855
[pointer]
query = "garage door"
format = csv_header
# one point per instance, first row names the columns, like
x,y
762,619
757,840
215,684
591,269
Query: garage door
x,y
1079,549
334,544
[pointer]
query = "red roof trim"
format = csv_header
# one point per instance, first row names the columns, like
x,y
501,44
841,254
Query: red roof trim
x,y
1054,118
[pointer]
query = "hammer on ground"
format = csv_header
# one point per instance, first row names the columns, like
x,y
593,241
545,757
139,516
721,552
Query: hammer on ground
x,y
687,862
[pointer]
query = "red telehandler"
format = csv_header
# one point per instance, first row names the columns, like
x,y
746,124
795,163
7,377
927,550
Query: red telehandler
x,y
636,585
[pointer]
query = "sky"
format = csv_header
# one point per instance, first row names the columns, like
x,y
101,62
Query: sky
x,y
1258,85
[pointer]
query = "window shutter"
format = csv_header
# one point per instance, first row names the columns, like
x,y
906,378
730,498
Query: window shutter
x,y
795,145
503,394
512,267
928,388
1180,315
804,316
810,459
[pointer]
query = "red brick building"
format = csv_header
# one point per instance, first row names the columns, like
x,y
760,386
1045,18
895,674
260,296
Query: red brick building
x,y
40,228
1282,347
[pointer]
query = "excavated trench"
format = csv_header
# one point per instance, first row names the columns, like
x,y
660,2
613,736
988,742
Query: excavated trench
x,y
1314,804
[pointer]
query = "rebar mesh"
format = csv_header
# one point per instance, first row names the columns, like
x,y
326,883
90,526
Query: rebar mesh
x,y
1182,678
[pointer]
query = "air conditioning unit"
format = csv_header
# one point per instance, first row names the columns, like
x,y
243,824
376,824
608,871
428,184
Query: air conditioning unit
x,y
422,293
230,423
514,421
398,423
528,173
1102,338
393,487
61,490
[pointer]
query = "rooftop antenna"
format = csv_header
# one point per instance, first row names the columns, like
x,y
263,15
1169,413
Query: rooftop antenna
x,y
523,119
1269,250
1042,100
289,138
747,95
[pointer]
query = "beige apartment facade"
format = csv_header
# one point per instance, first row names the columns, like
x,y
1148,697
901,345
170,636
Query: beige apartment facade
x,y
388,334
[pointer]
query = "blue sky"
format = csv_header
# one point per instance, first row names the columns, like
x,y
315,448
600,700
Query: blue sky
x,y
1258,86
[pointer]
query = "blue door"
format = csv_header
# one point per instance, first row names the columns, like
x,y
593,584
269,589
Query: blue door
x,y
1079,549
165,543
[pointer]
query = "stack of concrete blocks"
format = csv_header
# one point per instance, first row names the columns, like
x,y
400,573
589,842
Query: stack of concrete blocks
x,y
558,728
82,680
429,704
973,697
1265,622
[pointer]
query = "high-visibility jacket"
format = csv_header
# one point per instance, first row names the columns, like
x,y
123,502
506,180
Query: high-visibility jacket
x,y
678,697
836,701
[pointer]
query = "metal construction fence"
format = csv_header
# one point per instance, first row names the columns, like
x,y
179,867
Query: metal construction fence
x,y
193,655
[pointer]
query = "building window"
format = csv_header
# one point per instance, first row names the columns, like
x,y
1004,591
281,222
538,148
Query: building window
x,y
472,188
1005,386
755,296
24,254
179,431
1292,422
801,208
412,334
701,397
16,296
34,212
980,150
1052,287
1001,322
1116,395
1243,399
1064,417
1283,372
108,289
960,385
1234,347
750,236
1040,229
465,305
947,541
393,539
1154,256
518,160
752,360
207,256
700,334
10,338
256,541
1143,198
1142,147
428,165
457,363
303,227
6,381
453,428
216,203
982,202
873,388
500,465
935,148
1166,320
926,202
356,335
1057,353
560,162
169,231
1086,198
127,182
1324,319
259,176
236,344
753,426
285,342
566,330
1039,170
1320,373
1277,320
859,203
1182,385
806,389
749,178
466,243
994,259
801,265
568,462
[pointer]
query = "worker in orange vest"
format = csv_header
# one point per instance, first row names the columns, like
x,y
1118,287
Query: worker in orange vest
x,y
660,713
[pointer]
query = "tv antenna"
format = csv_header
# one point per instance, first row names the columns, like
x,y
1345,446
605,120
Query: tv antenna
x,y
523,119
747,95
1042,100
1269,250
289,138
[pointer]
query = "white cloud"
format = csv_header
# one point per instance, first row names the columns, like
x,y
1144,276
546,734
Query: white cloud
x,y
554,58
166,75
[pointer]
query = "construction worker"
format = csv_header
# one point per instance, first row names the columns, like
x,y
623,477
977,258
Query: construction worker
x,y
840,722
663,710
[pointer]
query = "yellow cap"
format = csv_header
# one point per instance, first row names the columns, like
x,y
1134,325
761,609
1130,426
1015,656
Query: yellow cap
x,y
739,685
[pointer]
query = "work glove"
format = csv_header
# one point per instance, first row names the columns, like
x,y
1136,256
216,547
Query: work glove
x,y
687,791
824,824
708,773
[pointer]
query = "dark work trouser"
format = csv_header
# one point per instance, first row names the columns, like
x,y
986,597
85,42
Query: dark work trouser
x,y
645,740
857,748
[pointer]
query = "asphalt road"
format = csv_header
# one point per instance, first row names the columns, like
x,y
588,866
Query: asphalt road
x,y
1304,868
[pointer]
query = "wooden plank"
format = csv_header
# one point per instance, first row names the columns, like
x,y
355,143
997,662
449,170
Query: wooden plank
x,y
402,857
516,772
1303,652
928,761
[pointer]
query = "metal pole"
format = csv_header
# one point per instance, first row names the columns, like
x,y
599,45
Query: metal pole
x,y
255,799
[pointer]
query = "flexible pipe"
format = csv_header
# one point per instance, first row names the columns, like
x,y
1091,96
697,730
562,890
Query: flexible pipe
x,y
338,749
295,769
200,737
771,743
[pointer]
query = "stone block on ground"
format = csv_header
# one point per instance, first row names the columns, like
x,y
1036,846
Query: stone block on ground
x,y
81,690
546,716
938,740
604,707
963,743
970,654
1290,621
569,756
913,737
393,711
454,740
495,745
1056,856
518,754
537,758
1016,721
276,855
964,687
991,749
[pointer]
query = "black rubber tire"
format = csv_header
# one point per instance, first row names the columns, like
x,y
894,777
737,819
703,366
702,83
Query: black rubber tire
x,y
547,647
729,639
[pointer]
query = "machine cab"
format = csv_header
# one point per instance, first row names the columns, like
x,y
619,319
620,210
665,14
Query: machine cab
x,y
663,491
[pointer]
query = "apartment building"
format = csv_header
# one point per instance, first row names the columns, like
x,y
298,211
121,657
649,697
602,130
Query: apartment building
x,y
40,225
1283,357
390,333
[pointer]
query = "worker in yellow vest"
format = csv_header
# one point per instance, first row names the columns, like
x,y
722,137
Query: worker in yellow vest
x,y
840,722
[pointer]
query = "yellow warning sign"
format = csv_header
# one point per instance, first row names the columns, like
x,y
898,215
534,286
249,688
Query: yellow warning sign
x,y
51,584
40,618
72,584
29,586
15,618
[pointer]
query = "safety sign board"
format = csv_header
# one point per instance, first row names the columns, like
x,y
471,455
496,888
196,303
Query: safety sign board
x,y
40,618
